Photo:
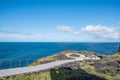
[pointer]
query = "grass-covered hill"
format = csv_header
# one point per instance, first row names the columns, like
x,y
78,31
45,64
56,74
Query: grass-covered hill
x,y
107,68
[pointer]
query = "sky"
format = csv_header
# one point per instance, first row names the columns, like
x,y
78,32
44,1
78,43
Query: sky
x,y
59,20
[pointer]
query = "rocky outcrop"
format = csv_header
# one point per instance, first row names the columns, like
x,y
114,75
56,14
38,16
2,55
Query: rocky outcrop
x,y
61,57
71,65
72,71
119,48
107,67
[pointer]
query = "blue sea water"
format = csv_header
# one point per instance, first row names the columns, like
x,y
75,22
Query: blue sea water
x,y
24,53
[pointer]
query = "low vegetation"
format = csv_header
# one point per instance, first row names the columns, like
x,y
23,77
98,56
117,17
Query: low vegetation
x,y
107,68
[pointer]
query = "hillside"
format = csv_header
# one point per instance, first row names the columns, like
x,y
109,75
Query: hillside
x,y
107,68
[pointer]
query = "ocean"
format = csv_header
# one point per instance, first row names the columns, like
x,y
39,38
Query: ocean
x,y
19,54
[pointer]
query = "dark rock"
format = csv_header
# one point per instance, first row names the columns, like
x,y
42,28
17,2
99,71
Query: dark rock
x,y
119,48
68,74
85,77
118,61
46,62
61,57
75,55
71,65
111,67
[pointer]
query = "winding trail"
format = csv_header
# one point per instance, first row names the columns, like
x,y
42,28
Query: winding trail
x,y
30,69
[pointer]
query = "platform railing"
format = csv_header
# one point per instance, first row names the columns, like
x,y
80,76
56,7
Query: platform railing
x,y
13,63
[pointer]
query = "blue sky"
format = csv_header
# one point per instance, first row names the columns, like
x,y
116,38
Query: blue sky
x,y
59,20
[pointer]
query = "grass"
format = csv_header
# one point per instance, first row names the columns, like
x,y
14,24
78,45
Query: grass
x,y
55,74
42,60
35,76
115,55
91,69
63,74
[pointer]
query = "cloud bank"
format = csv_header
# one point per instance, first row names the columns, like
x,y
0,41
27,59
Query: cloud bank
x,y
98,31
21,36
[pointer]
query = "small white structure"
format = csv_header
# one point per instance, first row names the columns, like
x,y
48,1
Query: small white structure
x,y
78,56
94,57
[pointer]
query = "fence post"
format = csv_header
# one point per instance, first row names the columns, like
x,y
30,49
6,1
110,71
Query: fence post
x,y
19,62
27,62
10,63
0,64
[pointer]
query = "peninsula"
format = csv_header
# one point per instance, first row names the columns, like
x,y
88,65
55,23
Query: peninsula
x,y
73,65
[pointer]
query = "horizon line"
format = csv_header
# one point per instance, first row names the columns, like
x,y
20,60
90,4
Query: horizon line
x,y
59,42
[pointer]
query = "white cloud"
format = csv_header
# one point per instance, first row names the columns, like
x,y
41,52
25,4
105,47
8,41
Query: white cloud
x,y
97,31
102,32
21,36
67,29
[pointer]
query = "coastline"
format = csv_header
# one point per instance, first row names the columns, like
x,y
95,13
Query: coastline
x,y
96,69
34,51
